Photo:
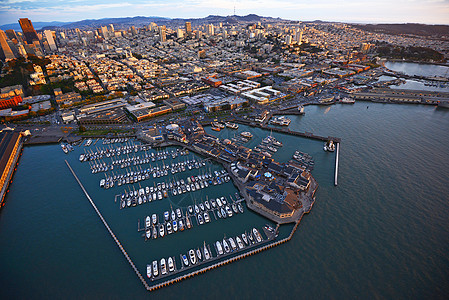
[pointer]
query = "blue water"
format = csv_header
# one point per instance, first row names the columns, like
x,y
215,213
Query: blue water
x,y
383,232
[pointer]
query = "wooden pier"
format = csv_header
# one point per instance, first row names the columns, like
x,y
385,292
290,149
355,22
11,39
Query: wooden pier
x,y
109,229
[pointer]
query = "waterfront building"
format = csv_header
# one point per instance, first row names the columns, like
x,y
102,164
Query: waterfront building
x,y
147,113
28,31
10,146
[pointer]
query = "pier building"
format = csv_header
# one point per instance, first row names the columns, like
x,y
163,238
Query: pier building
x,y
10,146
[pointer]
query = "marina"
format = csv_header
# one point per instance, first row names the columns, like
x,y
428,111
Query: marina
x,y
164,271
181,219
72,220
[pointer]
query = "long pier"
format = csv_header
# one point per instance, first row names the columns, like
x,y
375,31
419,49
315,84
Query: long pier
x,y
109,229
336,164
288,131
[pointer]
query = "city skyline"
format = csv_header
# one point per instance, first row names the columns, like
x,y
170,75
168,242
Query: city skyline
x,y
364,11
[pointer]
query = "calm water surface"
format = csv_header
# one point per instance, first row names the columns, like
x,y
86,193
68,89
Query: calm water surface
x,y
382,233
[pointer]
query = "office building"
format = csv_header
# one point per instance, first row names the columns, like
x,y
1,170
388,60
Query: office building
x,y
50,40
298,37
104,32
28,31
210,29
5,53
11,34
162,34
179,33
188,28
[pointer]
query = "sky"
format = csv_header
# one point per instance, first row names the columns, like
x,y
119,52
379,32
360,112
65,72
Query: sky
x,y
357,11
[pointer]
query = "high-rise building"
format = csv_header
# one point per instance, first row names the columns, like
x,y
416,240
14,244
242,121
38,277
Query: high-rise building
x,y
28,30
111,28
11,34
364,47
298,37
51,42
104,32
210,29
179,33
288,39
188,28
6,52
78,34
162,34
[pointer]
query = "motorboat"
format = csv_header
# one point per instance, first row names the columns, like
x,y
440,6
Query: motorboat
x,y
239,242
226,246
219,247
206,252
185,260
257,235
171,265
163,267
149,267
192,256
155,269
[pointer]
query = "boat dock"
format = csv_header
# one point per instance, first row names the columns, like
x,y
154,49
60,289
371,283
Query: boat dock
x,y
109,229
234,258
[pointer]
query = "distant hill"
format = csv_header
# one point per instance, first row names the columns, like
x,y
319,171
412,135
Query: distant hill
x,y
141,21
37,25
408,29
126,22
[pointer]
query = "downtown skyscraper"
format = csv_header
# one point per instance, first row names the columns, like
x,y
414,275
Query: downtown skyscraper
x,y
28,30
